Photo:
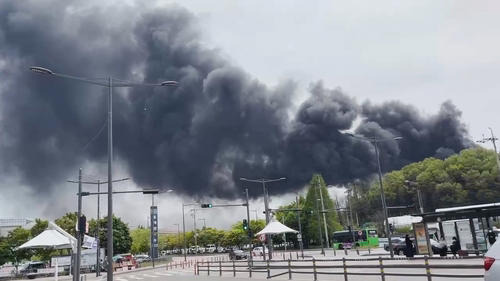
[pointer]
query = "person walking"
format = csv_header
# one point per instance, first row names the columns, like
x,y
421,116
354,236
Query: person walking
x,y
409,246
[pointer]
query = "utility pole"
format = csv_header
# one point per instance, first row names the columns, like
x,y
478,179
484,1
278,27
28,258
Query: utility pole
x,y
300,229
324,218
80,231
98,183
266,206
249,226
493,140
319,221
194,226
98,255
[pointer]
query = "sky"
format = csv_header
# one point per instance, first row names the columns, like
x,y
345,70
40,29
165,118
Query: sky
x,y
422,53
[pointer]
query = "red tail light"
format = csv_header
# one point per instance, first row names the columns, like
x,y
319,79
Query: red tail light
x,y
488,262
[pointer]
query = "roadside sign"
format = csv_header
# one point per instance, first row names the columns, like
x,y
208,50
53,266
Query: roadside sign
x,y
299,236
262,238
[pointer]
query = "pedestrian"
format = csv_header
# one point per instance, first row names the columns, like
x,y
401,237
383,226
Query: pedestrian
x,y
455,246
492,236
409,247
443,248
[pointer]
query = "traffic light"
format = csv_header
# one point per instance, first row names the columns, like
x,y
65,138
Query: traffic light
x,y
206,205
82,224
245,224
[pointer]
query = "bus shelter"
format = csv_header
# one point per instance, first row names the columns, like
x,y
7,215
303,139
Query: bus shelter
x,y
469,224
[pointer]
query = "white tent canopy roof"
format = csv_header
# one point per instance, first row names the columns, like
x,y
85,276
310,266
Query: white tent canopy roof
x,y
275,227
51,239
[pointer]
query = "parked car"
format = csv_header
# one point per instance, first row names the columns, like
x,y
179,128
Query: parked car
x,y
399,246
210,248
237,255
142,258
221,250
491,265
394,241
259,251
30,270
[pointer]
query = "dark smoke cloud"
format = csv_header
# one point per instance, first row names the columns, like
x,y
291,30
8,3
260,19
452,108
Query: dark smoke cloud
x,y
218,126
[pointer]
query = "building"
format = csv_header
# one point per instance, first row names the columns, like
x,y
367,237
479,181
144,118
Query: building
x,y
9,224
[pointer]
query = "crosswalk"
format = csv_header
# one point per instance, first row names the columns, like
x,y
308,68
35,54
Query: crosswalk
x,y
146,275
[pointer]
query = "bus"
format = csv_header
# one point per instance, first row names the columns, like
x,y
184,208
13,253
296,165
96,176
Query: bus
x,y
356,238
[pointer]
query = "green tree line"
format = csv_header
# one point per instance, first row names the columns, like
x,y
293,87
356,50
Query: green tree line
x,y
470,177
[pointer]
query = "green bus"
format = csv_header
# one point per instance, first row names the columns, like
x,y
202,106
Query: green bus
x,y
346,239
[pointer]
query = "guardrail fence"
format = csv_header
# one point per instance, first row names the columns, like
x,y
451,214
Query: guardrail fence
x,y
382,267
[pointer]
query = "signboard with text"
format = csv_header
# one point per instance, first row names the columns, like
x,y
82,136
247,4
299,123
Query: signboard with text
x,y
420,239
154,232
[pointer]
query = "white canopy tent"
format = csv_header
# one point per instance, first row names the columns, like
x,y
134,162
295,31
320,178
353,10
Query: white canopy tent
x,y
275,227
48,239
53,237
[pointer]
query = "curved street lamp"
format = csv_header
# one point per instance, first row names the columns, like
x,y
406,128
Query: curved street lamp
x,y
375,141
109,83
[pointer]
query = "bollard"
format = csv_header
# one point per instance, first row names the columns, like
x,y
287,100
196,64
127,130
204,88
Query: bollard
x,y
357,251
250,264
183,263
314,269
297,255
289,271
345,252
290,256
369,251
382,274
234,270
208,268
268,269
344,265
428,269
334,252
220,268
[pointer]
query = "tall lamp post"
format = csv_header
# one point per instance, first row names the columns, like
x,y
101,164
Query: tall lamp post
x,y
375,141
419,194
110,85
266,206
184,226
178,232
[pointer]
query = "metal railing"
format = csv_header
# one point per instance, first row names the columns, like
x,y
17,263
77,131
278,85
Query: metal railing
x,y
377,266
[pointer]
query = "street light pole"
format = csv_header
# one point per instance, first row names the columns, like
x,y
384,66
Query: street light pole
x,y
109,238
324,218
419,195
79,232
384,205
266,206
375,141
184,227
300,228
110,85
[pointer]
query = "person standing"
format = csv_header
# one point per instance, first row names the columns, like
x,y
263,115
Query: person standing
x,y
409,247
492,236
455,246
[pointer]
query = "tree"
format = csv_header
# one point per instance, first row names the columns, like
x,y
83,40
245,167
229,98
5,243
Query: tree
x,y
9,244
122,242
141,239
470,177
68,223
312,205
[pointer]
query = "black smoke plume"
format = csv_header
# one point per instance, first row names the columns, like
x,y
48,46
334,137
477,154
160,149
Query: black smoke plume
x,y
220,124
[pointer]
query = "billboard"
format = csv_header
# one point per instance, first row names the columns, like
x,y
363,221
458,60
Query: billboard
x,y
421,238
